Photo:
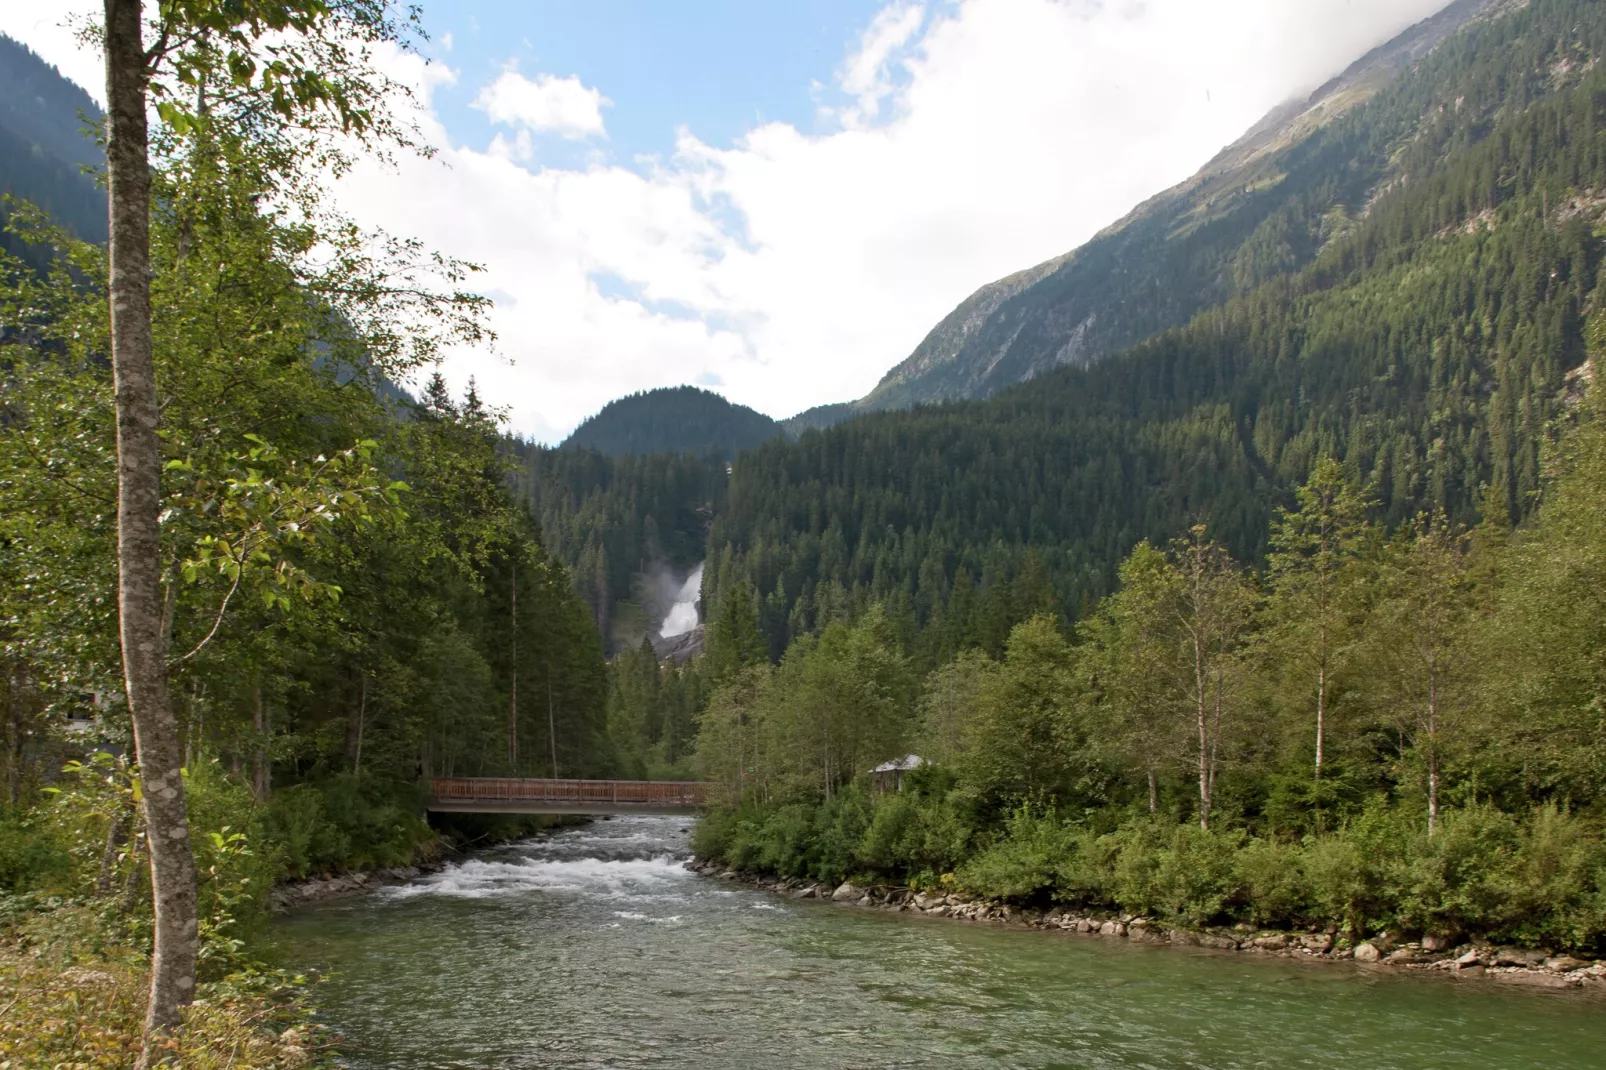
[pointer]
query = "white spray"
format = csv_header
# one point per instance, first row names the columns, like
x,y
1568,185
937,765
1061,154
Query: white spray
x,y
682,616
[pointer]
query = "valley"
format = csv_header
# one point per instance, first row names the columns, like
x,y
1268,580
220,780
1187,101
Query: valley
x,y
1234,580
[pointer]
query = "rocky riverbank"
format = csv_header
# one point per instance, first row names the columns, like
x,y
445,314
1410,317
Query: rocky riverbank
x,y
1512,965
291,894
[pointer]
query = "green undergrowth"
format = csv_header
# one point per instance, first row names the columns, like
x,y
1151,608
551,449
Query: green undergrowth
x,y
73,983
1536,879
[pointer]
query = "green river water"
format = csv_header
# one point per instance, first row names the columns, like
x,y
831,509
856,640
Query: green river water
x,y
594,947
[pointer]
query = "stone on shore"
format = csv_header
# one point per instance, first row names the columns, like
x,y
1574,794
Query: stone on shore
x,y
848,892
1565,964
1367,952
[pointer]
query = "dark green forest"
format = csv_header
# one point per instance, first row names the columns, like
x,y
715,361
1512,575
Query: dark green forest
x,y
678,419
43,151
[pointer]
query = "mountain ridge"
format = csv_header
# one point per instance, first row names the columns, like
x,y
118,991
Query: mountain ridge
x,y
677,419
1013,329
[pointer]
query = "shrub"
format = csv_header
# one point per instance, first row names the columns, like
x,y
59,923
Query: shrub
x,y
1452,883
32,857
1272,877
1176,872
1027,862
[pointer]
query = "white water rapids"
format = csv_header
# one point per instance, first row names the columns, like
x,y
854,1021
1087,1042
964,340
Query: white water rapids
x,y
682,616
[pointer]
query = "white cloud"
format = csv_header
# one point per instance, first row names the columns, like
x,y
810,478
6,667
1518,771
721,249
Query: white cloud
x,y
964,142
544,104
795,268
866,75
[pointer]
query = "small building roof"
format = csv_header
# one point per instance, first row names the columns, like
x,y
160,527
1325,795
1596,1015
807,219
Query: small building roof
x,y
908,761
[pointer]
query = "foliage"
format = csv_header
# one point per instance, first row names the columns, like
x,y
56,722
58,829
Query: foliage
x,y
1074,770
76,997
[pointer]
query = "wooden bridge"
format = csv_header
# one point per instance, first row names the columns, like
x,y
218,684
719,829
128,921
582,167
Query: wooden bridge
x,y
507,795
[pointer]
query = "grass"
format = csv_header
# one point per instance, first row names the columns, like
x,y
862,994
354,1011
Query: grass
x,y
72,997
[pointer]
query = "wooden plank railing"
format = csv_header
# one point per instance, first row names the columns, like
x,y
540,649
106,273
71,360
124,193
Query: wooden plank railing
x,y
645,793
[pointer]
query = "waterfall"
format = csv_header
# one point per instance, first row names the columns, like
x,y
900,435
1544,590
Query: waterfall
x,y
682,616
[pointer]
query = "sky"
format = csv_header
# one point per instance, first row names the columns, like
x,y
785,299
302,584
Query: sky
x,y
777,199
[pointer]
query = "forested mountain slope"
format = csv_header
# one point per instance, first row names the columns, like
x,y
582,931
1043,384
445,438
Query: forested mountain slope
x,y
1264,206
1428,341
680,419
42,147
617,522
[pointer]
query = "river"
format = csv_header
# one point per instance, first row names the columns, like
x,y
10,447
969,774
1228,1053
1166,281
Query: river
x,y
593,947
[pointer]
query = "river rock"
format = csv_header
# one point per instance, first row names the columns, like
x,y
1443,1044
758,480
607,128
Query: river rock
x,y
847,892
1144,933
1320,943
1407,956
1436,943
938,911
1112,928
1216,941
1469,958
1565,964
1271,941
1519,956
1367,952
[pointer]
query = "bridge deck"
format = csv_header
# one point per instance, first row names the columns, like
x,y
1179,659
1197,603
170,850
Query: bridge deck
x,y
511,795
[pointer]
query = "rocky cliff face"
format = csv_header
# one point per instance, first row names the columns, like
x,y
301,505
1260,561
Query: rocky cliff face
x,y
1222,232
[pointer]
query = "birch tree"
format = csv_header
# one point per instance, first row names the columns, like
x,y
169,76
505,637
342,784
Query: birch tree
x,y
1213,602
1310,612
284,76
1418,638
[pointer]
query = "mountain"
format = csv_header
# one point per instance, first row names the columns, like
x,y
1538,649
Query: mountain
x,y
1413,301
681,419
1266,205
43,150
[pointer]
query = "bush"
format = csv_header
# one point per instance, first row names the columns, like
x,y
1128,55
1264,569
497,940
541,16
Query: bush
x,y
347,822
1451,883
1556,882
1271,875
1176,872
1027,862
32,858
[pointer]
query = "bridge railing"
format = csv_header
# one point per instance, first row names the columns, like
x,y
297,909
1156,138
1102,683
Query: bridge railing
x,y
622,792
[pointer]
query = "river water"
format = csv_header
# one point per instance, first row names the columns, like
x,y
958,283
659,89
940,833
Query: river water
x,y
594,947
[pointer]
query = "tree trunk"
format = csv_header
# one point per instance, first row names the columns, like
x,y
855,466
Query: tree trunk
x,y
261,770
1201,687
139,562
1321,675
1154,792
513,677
1433,751
14,744
551,722
362,716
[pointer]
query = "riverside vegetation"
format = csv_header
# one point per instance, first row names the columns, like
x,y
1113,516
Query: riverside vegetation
x,y
1288,616
1374,732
